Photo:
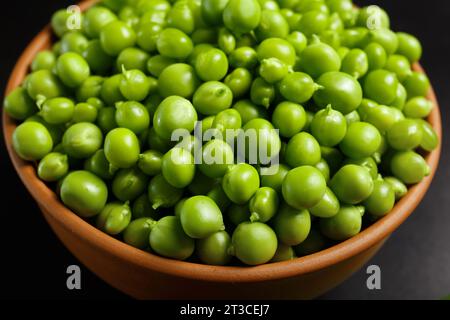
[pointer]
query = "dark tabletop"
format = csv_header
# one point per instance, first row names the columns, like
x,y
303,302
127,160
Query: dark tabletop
x,y
414,263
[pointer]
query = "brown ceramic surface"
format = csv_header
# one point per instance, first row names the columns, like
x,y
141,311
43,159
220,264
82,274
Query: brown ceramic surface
x,y
144,275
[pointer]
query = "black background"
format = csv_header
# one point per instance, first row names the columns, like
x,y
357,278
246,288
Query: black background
x,y
415,262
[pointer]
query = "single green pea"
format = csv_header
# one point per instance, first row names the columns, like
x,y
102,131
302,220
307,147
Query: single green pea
x,y
212,11
59,22
298,40
150,162
157,143
142,208
226,123
327,207
19,105
376,56
385,37
198,49
313,22
242,16
178,167
240,183
264,204
129,183
74,42
262,93
369,163
352,184
329,127
249,111
157,64
291,17
211,65
355,37
362,140
277,48
114,218
409,167
57,110
319,58
397,186
400,65
122,148
117,36
239,81
217,157
315,242
382,117
90,88
254,243
355,63
297,87
82,140
275,181
273,70
99,165
352,117
214,249
260,141
84,112
340,90
84,193
162,194
44,60
53,167
226,41
95,19
181,17
418,107
132,115
178,79
212,97
430,139
405,135
283,253
409,46
292,226
330,38
106,119
302,149
168,239
382,199
289,118
272,25
138,232
132,58
134,85
243,57
401,97
174,43
147,35
44,83
373,17
72,69
417,85
344,225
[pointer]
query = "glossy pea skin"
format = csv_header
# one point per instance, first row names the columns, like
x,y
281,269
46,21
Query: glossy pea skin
x,y
362,140
275,181
53,167
84,193
201,217
265,147
72,69
178,79
201,184
178,167
213,249
264,204
57,110
212,11
239,81
276,48
90,88
297,87
399,65
354,37
324,168
242,16
162,194
369,163
219,197
211,65
44,60
340,90
302,149
82,140
262,93
44,83
181,17
150,162
376,56
352,117
254,243
312,244
327,207
132,115
298,40
122,148
117,36
129,183
157,64
19,105
217,157
204,35
95,19
291,17
289,118
352,184
134,85
174,43
106,119
99,165
114,218
249,111
355,63
382,117
110,92
157,143
430,140
147,35
138,232
409,167
226,120
272,25
417,85
329,127
168,239
397,186
319,58
313,22
382,199
303,187
240,183
273,70
74,42
292,226
418,107
142,208
174,113
283,253
344,225
212,97
409,46
405,135
59,22
381,86
385,37
243,57
189,143
226,41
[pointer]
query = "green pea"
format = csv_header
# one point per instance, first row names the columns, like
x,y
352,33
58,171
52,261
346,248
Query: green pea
x,y
385,37
397,186
114,218
313,22
373,17
242,16
82,140
226,41
283,253
19,105
59,22
138,232
275,181
181,17
354,37
211,65
239,81
178,79
90,88
212,11
409,167
72,69
74,42
117,36
132,115
99,165
84,193
418,107
264,204
129,183
44,60
369,163
53,167
219,197
204,35
262,93
382,199
142,208
346,224
382,117
214,249
132,58
57,110
243,57
315,242
400,99
298,40
157,143
292,226
355,63
110,92
376,56
291,17
174,43
329,127
254,243
417,84
147,36
327,207
362,140
263,142
249,111
178,167
319,58
212,97
409,46
150,162
352,184
217,157
272,25
302,149
430,140
289,118
226,120
277,48
106,119
162,194
352,117
405,135
240,183
273,70
122,148
44,83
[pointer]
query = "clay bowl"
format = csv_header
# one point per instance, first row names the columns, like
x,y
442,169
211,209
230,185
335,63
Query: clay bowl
x,y
147,276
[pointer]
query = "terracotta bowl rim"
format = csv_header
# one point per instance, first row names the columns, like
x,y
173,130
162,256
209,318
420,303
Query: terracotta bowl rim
x,y
48,200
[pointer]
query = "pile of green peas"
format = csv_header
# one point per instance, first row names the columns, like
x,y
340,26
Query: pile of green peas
x,y
99,108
